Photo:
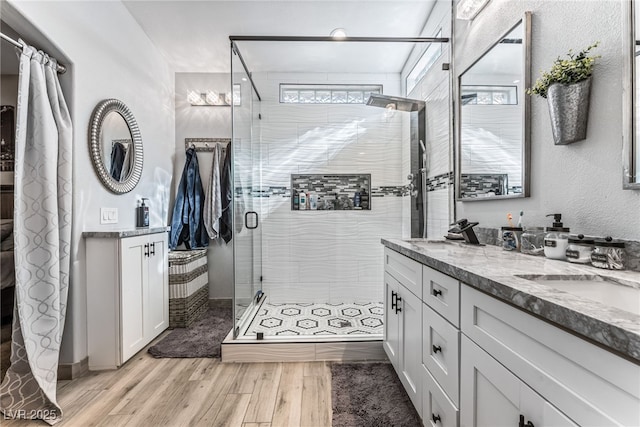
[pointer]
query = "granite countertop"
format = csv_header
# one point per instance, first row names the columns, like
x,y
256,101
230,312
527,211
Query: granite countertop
x,y
492,270
130,232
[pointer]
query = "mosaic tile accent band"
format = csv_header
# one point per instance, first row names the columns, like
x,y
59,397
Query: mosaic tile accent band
x,y
318,319
476,184
440,182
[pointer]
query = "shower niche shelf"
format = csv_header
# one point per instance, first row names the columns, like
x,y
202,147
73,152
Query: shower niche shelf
x,y
335,192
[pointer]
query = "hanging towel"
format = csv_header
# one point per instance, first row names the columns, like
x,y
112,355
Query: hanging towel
x,y
212,199
186,222
226,191
118,153
126,163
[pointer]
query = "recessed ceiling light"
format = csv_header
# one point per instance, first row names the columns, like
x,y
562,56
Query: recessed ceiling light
x,y
244,79
339,33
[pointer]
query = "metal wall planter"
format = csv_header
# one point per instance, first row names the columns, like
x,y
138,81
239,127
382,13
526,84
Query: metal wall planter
x,y
569,111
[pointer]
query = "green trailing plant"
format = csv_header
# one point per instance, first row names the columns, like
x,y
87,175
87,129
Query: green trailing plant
x,y
577,68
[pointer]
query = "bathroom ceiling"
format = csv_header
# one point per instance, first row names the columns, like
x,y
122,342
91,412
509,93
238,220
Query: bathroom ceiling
x,y
194,35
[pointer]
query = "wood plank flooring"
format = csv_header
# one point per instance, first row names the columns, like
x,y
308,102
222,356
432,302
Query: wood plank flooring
x,y
197,392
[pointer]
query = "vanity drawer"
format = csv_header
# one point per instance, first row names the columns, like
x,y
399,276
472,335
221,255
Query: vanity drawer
x,y
437,409
441,293
405,270
440,351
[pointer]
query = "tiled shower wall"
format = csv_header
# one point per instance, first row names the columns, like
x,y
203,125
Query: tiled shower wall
x,y
327,256
433,88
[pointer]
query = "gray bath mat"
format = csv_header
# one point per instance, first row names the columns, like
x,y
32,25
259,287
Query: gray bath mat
x,y
370,395
201,339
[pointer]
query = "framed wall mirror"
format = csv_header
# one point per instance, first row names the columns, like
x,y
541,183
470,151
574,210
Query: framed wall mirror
x,y
631,97
115,146
493,134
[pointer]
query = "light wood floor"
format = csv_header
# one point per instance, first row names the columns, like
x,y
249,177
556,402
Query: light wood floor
x,y
197,392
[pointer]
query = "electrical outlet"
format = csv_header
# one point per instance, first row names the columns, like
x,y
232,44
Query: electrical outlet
x,y
108,215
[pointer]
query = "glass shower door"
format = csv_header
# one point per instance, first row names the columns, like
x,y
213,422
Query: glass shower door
x,y
247,247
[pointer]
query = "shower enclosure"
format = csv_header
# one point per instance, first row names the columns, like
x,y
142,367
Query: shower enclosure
x,y
317,273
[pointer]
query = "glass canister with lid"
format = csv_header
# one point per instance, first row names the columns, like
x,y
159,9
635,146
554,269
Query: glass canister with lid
x,y
580,249
609,254
532,241
511,237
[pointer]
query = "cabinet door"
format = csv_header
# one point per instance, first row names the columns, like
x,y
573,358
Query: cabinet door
x,y
391,320
411,345
489,394
540,412
157,304
133,293
492,396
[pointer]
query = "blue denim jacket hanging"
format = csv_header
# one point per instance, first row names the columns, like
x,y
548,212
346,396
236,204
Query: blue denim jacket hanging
x,y
186,222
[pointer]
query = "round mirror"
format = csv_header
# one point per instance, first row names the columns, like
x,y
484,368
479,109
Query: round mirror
x,y
115,146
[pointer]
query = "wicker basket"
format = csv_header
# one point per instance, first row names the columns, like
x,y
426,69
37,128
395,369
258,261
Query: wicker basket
x,y
188,287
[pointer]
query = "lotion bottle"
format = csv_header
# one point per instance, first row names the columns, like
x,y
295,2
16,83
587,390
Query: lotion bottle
x,y
556,241
142,215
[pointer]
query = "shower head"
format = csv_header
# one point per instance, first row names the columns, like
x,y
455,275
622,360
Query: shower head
x,y
394,102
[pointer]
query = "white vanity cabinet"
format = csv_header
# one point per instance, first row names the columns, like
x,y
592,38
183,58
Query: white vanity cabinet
x,y
127,294
484,362
589,385
403,314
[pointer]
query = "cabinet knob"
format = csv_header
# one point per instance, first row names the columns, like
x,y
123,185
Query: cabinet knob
x,y
436,348
435,418
436,292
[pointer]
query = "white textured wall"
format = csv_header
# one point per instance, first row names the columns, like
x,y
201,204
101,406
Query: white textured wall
x,y
108,56
204,122
583,180
327,256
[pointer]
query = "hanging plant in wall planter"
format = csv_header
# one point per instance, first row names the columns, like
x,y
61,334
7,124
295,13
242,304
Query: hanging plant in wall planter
x,y
566,87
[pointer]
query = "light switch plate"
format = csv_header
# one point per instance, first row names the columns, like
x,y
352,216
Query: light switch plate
x,y
108,215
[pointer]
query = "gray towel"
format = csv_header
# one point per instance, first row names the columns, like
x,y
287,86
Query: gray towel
x,y
212,198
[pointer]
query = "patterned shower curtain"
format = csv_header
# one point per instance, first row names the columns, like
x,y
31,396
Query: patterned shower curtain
x,y
42,221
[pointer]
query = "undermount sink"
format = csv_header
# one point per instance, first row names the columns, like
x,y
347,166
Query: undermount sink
x,y
605,290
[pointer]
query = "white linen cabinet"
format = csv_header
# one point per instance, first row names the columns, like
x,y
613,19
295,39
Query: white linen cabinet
x,y
127,293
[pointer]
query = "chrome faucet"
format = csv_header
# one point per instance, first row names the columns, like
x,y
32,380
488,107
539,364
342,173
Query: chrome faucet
x,y
465,228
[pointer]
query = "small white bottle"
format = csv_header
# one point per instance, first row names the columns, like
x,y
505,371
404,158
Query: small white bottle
x,y
313,201
556,241
303,201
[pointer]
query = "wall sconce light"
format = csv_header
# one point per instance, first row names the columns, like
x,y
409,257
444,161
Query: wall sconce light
x,y
468,9
212,98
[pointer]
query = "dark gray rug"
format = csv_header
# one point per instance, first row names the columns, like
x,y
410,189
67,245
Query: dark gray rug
x,y
201,339
370,395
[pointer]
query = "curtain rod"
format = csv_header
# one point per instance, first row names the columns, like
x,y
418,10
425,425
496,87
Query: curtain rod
x,y
59,68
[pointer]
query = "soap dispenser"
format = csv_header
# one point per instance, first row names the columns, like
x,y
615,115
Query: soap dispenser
x,y
142,215
556,240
